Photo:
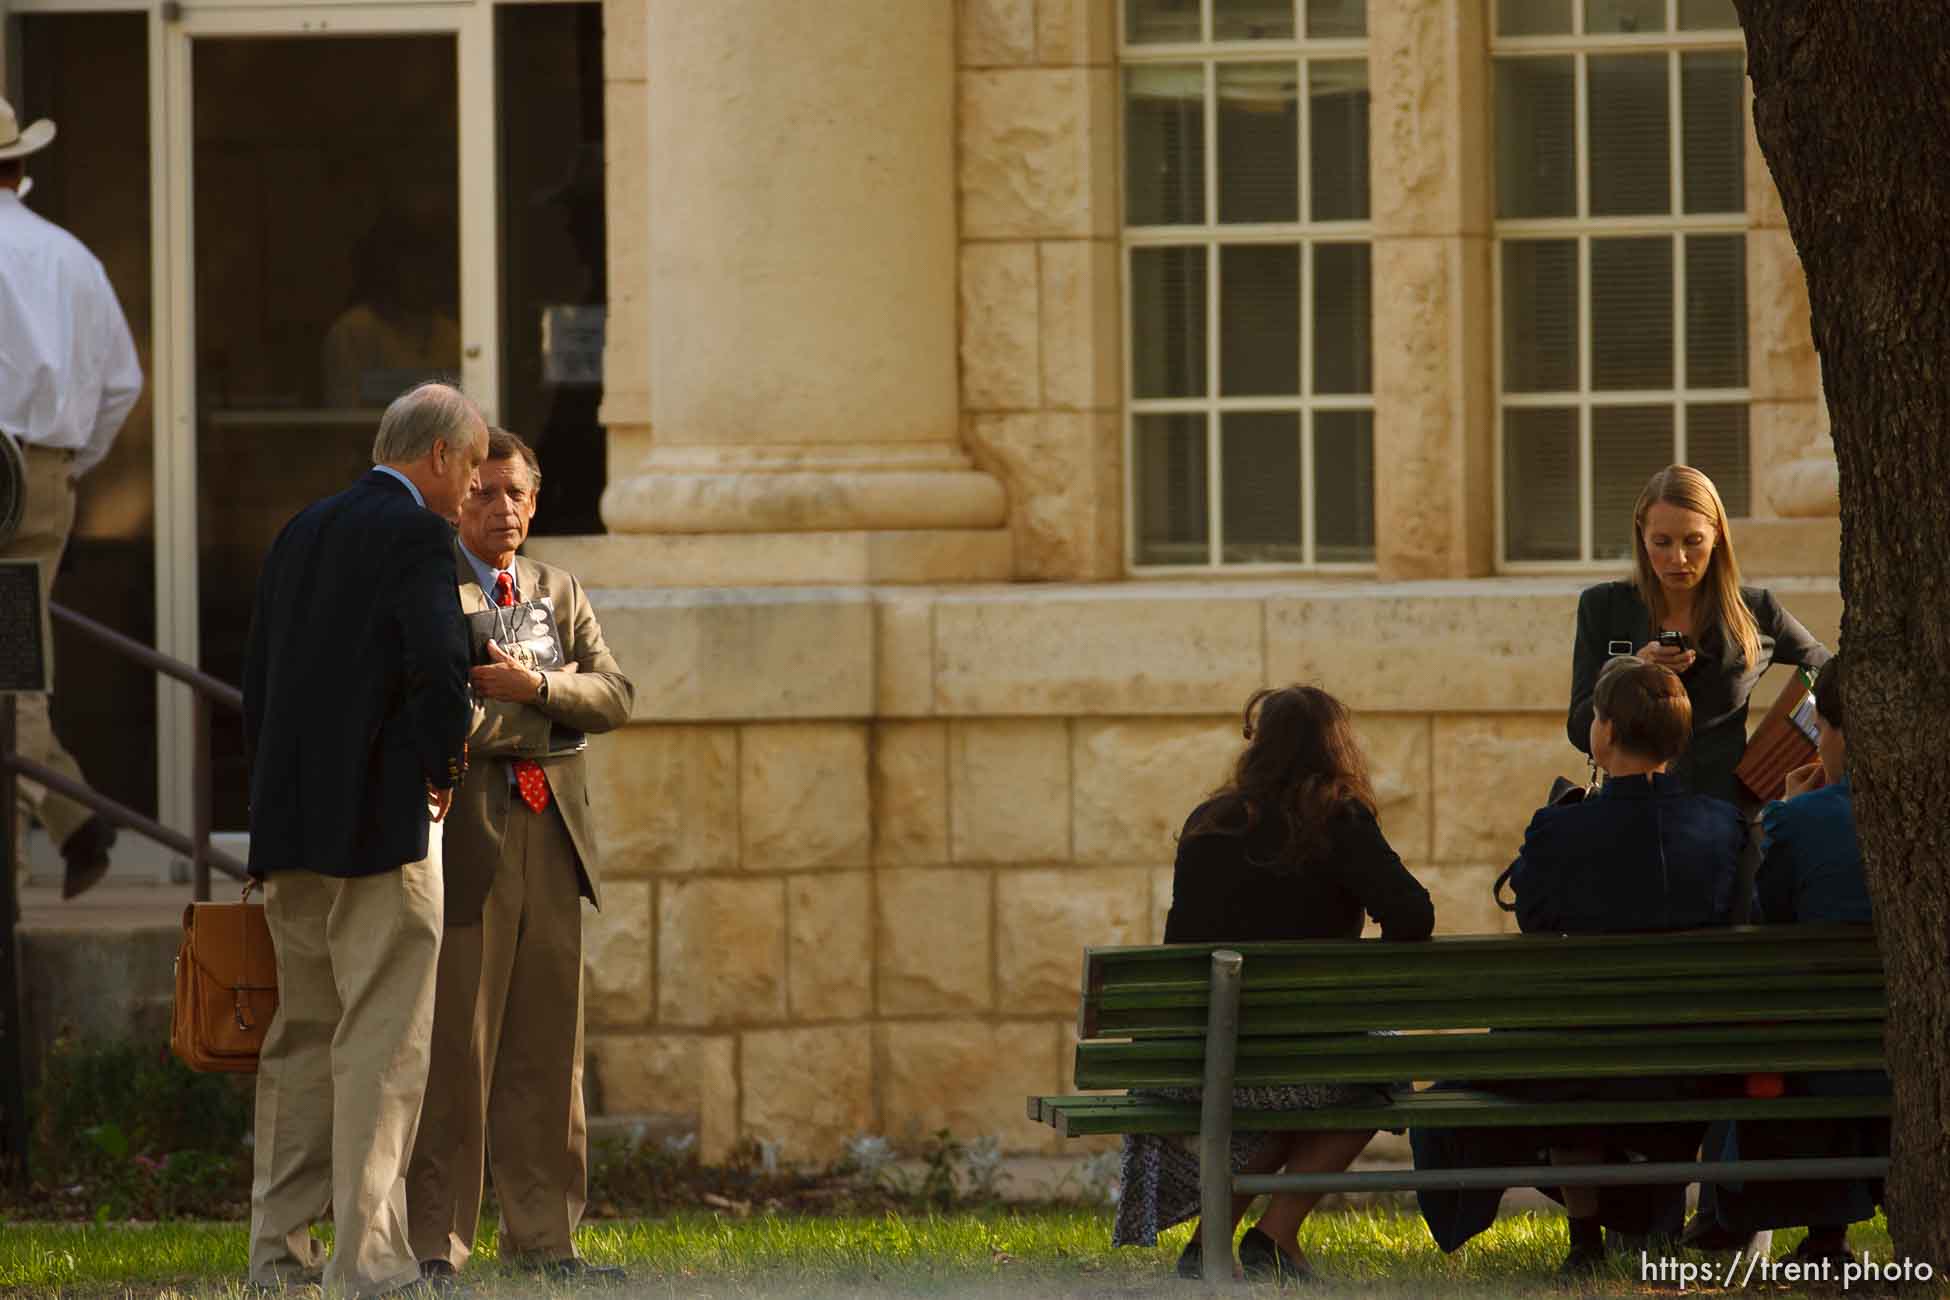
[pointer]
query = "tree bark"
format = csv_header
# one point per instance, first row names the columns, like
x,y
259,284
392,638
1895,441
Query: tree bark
x,y
1852,106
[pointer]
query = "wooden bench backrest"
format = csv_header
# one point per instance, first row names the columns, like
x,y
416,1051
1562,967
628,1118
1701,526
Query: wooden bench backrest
x,y
1725,1001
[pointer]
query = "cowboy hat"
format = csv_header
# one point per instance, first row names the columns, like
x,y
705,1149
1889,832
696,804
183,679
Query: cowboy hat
x,y
16,143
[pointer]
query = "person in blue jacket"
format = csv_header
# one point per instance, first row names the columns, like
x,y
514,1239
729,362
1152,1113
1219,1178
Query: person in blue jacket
x,y
1810,873
1642,854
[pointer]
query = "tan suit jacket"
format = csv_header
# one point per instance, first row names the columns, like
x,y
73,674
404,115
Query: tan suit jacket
x,y
596,697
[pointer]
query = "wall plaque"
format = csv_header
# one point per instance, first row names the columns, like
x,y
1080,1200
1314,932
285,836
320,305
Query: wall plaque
x,y
572,343
26,667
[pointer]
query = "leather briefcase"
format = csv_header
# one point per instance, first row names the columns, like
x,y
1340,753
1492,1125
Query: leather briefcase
x,y
1785,739
226,986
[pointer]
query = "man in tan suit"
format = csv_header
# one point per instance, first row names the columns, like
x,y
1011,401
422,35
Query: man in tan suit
x,y
520,858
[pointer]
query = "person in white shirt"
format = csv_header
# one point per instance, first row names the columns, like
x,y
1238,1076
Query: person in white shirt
x,y
68,378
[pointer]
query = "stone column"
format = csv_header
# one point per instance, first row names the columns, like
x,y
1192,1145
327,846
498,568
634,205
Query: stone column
x,y
626,158
801,276
1429,144
1796,524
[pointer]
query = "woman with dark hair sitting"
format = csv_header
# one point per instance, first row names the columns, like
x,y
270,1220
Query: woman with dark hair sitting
x,y
1288,848
1642,854
1810,873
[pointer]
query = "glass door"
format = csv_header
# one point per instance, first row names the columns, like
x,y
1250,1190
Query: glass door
x,y
326,223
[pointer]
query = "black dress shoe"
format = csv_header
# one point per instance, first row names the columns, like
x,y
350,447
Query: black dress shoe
x,y
86,856
438,1280
1262,1260
1810,1252
1706,1233
573,1268
1584,1261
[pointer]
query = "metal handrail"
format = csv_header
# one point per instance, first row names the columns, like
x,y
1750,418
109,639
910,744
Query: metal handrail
x,y
150,657
123,815
203,689
196,845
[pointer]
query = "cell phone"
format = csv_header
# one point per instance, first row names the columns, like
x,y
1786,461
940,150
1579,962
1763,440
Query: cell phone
x,y
1674,641
1619,648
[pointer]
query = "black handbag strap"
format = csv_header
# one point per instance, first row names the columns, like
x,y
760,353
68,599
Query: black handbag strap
x,y
1496,890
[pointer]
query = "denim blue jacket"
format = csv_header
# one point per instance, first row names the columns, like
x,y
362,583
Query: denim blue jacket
x,y
1811,862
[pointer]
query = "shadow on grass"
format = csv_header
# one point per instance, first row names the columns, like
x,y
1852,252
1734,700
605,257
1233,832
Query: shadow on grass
x,y
1062,1252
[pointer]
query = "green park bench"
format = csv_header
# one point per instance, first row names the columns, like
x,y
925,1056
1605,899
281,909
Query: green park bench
x,y
1749,1000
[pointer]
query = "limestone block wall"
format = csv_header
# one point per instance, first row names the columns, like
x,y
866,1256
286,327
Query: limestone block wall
x,y
856,839
1041,382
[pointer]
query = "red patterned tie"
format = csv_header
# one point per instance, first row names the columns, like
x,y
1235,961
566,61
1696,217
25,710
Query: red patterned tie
x,y
528,773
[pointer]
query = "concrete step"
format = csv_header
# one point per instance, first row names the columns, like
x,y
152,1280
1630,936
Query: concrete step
x,y
100,967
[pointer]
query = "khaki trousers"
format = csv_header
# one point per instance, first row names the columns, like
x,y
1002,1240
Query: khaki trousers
x,y
343,1071
43,536
506,1081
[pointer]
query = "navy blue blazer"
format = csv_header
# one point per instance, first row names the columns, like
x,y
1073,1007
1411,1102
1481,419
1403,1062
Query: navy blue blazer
x,y
1640,855
355,684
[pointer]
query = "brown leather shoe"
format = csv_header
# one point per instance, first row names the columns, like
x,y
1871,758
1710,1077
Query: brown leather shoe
x,y
86,855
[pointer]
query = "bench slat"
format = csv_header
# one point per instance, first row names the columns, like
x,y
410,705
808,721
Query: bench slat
x,y
1079,1116
1367,969
1332,961
1524,1011
1162,996
1345,1057
1556,1063
1309,1045
1714,945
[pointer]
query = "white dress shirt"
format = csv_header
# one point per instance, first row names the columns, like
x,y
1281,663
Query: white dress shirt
x,y
68,369
489,576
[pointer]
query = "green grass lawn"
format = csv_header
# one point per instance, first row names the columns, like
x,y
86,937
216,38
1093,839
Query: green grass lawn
x,y
1044,1252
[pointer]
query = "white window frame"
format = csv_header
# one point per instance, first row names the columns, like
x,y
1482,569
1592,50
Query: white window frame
x,y
1212,236
1583,228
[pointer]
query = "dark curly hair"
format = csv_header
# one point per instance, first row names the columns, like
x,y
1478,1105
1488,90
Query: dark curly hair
x,y
1301,764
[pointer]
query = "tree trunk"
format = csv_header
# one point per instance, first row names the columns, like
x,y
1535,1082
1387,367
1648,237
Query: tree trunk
x,y
1852,106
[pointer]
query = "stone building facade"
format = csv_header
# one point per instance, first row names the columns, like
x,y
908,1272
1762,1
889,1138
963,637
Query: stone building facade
x,y
916,723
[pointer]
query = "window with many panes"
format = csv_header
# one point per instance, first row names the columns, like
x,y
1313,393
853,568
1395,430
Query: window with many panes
x,y
1248,283
1621,264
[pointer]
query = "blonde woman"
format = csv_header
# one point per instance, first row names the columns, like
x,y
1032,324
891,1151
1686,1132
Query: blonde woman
x,y
1685,580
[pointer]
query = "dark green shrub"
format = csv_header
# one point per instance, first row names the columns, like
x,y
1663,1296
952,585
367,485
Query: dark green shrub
x,y
130,1132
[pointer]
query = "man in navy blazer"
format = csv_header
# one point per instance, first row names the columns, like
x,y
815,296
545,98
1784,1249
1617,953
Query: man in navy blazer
x,y
356,710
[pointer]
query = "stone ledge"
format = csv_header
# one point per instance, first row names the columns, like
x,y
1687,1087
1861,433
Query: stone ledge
x,y
1128,649
709,560
755,654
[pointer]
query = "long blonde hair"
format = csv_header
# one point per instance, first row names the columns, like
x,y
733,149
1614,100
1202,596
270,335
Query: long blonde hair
x,y
1687,488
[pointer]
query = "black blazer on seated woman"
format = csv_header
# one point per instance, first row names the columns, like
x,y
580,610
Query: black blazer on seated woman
x,y
1641,854
1245,888
1717,684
